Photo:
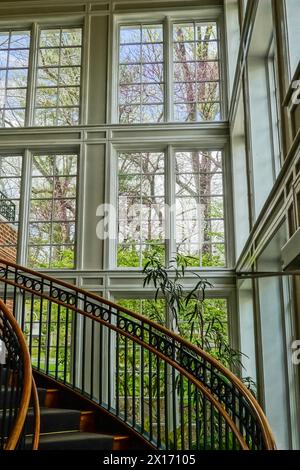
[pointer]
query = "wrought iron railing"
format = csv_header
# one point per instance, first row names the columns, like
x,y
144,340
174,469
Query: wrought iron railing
x,y
7,208
169,391
16,384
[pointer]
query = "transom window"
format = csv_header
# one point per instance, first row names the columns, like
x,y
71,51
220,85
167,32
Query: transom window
x,y
196,72
57,95
14,60
141,75
194,85
52,211
193,203
52,96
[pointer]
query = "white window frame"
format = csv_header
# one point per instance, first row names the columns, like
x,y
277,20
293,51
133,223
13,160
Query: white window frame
x,y
27,155
35,27
110,243
205,14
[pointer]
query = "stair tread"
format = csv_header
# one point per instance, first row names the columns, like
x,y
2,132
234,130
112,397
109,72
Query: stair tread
x,y
74,440
48,411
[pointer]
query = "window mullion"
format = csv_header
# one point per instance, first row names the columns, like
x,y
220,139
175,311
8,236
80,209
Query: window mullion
x,y
170,181
32,73
168,70
22,250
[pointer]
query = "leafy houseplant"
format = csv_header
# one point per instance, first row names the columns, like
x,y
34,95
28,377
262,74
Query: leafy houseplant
x,y
205,327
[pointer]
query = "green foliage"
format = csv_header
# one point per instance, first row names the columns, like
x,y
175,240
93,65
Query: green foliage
x,y
202,321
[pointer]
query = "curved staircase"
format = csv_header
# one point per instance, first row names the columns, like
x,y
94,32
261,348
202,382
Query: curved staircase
x,y
121,380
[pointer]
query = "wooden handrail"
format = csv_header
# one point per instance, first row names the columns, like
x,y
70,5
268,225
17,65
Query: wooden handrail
x,y
37,418
255,407
18,425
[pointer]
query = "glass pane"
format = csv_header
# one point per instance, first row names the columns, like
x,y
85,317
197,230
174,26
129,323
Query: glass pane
x,y
16,98
152,33
152,113
39,233
152,73
130,54
206,32
4,40
18,58
130,34
71,56
207,50
17,78
152,53
68,116
129,74
50,38
153,94
68,96
209,112
46,97
207,71
49,57
69,76
3,58
47,77
184,32
19,39
184,92
46,117
185,112
71,37
184,51
14,117
130,94
129,114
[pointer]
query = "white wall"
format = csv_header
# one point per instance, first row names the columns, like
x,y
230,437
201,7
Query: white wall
x,y
293,23
240,194
233,39
247,329
273,335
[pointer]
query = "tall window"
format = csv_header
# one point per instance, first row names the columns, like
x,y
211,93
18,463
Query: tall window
x,y
52,211
196,72
195,202
141,77
274,116
14,60
193,84
10,187
57,96
141,200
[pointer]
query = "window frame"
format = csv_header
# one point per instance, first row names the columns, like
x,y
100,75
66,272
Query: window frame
x,y
54,152
111,243
205,14
29,73
35,27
